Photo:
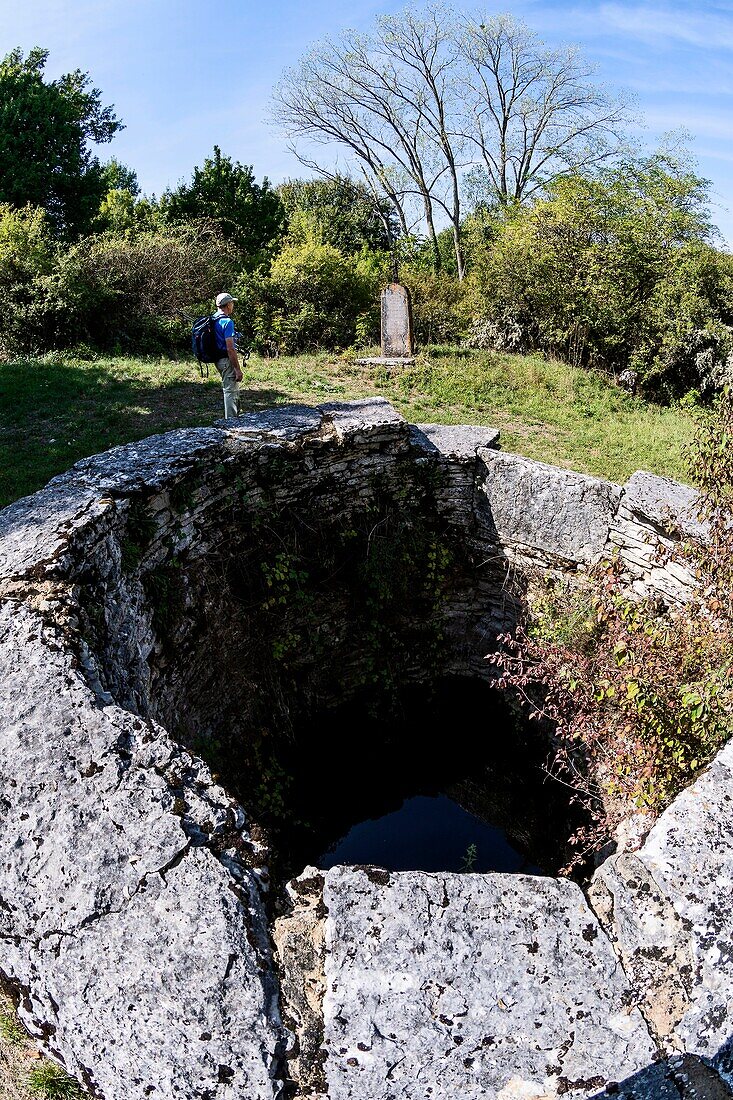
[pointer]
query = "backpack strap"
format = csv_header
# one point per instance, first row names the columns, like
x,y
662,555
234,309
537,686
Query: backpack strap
x,y
212,330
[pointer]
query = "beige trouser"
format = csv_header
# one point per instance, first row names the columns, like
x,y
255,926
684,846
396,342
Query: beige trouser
x,y
230,387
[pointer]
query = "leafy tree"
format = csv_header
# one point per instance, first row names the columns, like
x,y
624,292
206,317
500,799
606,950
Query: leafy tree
x,y
117,211
224,191
27,253
120,212
119,177
46,128
343,211
612,271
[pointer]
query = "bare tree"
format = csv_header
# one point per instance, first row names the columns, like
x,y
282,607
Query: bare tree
x,y
314,100
427,53
533,113
429,101
382,97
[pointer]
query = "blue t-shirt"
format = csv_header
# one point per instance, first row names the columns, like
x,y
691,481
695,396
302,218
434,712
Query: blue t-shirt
x,y
223,328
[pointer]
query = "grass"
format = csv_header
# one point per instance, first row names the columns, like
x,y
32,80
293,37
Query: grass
x,y
57,409
10,1030
47,1081
24,1074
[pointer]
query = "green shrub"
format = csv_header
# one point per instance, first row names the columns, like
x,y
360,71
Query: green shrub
x,y
314,297
27,253
135,292
684,343
440,310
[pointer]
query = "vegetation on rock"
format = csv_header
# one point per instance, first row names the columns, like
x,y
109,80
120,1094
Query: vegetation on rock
x,y
24,1074
638,695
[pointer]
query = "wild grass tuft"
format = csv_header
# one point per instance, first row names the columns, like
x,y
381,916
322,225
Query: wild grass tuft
x,y
47,1081
11,1030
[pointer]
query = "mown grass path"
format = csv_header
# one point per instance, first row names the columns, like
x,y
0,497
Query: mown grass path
x,y
57,409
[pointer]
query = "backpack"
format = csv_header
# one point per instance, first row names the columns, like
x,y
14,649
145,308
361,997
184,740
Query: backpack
x,y
203,341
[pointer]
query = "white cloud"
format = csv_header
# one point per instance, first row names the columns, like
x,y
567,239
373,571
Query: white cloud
x,y
708,26
697,28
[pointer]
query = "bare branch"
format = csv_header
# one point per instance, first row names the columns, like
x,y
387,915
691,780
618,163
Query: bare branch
x,y
429,95
533,113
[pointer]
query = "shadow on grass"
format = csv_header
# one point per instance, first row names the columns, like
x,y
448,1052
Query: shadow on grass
x,y
446,351
253,400
51,416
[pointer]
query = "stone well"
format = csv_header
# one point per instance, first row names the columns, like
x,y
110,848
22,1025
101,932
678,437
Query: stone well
x,y
134,918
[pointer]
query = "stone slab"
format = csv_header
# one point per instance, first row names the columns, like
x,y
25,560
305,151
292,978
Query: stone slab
x,y
668,909
127,915
558,512
458,442
381,361
372,415
285,423
35,529
660,502
456,986
396,321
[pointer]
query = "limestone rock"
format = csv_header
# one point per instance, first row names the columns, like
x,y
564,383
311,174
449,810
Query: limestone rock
x,y
679,1078
458,442
128,915
471,985
285,423
368,417
668,910
37,532
131,890
557,512
661,502
299,940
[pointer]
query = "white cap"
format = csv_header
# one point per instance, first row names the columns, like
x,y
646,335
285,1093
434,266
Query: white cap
x,y
224,299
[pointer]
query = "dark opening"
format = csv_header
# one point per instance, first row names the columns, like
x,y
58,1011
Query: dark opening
x,y
303,656
451,781
428,833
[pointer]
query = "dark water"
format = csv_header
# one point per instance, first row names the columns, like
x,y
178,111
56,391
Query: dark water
x,y
428,833
453,768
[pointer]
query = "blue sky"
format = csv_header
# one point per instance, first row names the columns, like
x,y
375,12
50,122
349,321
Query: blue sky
x,y
185,75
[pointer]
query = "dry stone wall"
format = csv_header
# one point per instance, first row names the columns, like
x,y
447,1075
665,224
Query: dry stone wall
x,y
133,890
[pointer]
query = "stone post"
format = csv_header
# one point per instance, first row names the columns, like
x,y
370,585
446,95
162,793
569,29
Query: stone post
x,y
397,342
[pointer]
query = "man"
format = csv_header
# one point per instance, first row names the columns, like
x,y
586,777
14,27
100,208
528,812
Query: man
x,y
228,362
